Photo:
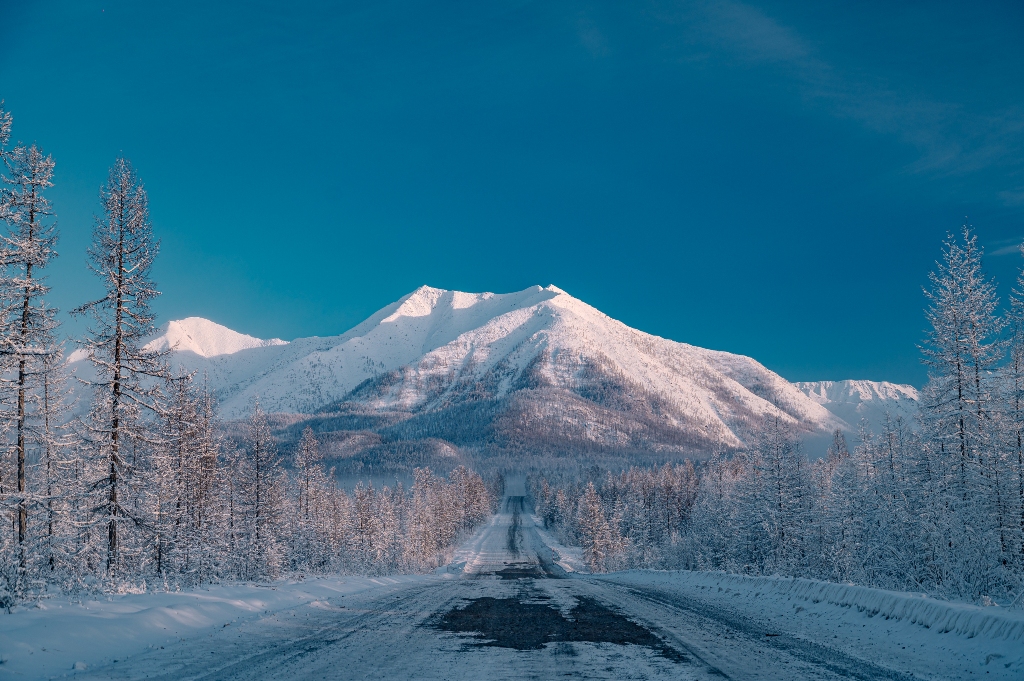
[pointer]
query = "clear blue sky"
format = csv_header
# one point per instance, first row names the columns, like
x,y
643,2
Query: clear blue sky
x,y
766,178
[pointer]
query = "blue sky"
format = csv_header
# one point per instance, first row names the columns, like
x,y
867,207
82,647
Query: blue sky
x,y
773,179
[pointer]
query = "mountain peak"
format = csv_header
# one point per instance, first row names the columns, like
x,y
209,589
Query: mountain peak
x,y
205,338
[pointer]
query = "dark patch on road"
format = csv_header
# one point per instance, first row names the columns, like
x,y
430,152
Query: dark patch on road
x,y
506,623
521,571
510,623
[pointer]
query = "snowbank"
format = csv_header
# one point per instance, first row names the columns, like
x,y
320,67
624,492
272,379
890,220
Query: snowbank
x,y
910,632
569,558
943,616
57,636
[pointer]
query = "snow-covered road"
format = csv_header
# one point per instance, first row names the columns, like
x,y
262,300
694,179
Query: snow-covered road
x,y
508,609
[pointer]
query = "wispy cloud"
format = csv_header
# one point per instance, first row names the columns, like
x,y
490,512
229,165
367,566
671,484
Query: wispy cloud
x,y
1007,246
1012,197
951,139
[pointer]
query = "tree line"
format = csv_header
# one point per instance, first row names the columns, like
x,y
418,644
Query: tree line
x,y
935,506
143,487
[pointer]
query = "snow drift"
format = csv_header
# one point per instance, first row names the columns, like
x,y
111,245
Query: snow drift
x,y
926,636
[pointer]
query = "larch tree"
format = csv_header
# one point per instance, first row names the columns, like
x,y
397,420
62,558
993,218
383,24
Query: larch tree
x,y
779,494
1013,387
183,471
422,542
600,541
313,542
260,480
60,487
307,459
27,328
962,351
127,375
28,324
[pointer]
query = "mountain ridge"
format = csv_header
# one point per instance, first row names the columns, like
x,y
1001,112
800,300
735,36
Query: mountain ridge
x,y
533,370
857,401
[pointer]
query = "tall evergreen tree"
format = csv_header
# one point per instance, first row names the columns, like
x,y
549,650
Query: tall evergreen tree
x,y
30,352
261,483
126,384
183,472
28,325
962,348
60,487
1013,384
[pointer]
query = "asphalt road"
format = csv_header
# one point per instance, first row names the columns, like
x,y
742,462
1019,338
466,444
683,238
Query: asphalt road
x,y
508,614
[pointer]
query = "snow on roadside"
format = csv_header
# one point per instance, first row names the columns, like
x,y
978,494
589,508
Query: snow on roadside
x,y
59,635
909,632
569,558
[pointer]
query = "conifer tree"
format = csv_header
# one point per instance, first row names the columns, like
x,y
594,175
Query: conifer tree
x,y
126,385
315,544
59,487
601,542
25,251
261,485
307,459
27,330
182,477
962,351
1013,395
423,535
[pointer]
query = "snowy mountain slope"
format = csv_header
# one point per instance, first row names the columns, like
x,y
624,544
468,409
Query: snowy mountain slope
x,y
553,360
869,401
205,338
535,368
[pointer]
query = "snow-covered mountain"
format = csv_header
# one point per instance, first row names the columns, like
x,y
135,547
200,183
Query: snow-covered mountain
x,y
206,339
869,401
536,368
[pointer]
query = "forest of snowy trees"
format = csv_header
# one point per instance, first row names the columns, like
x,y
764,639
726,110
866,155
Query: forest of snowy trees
x,y
936,506
145,489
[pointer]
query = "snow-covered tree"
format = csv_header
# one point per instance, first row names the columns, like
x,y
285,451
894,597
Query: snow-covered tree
x,y
261,485
1013,396
29,351
127,378
320,510
962,348
183,474
962,407
603,546
58,483
25,251
777,500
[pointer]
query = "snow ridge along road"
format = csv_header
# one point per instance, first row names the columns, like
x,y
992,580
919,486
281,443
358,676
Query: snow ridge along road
x,y
510,607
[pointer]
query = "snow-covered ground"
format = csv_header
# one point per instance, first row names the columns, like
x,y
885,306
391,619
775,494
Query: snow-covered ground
x,y
505,609
909,633
60,637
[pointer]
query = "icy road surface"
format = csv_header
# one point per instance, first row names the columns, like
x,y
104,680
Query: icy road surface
x,y
510,613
